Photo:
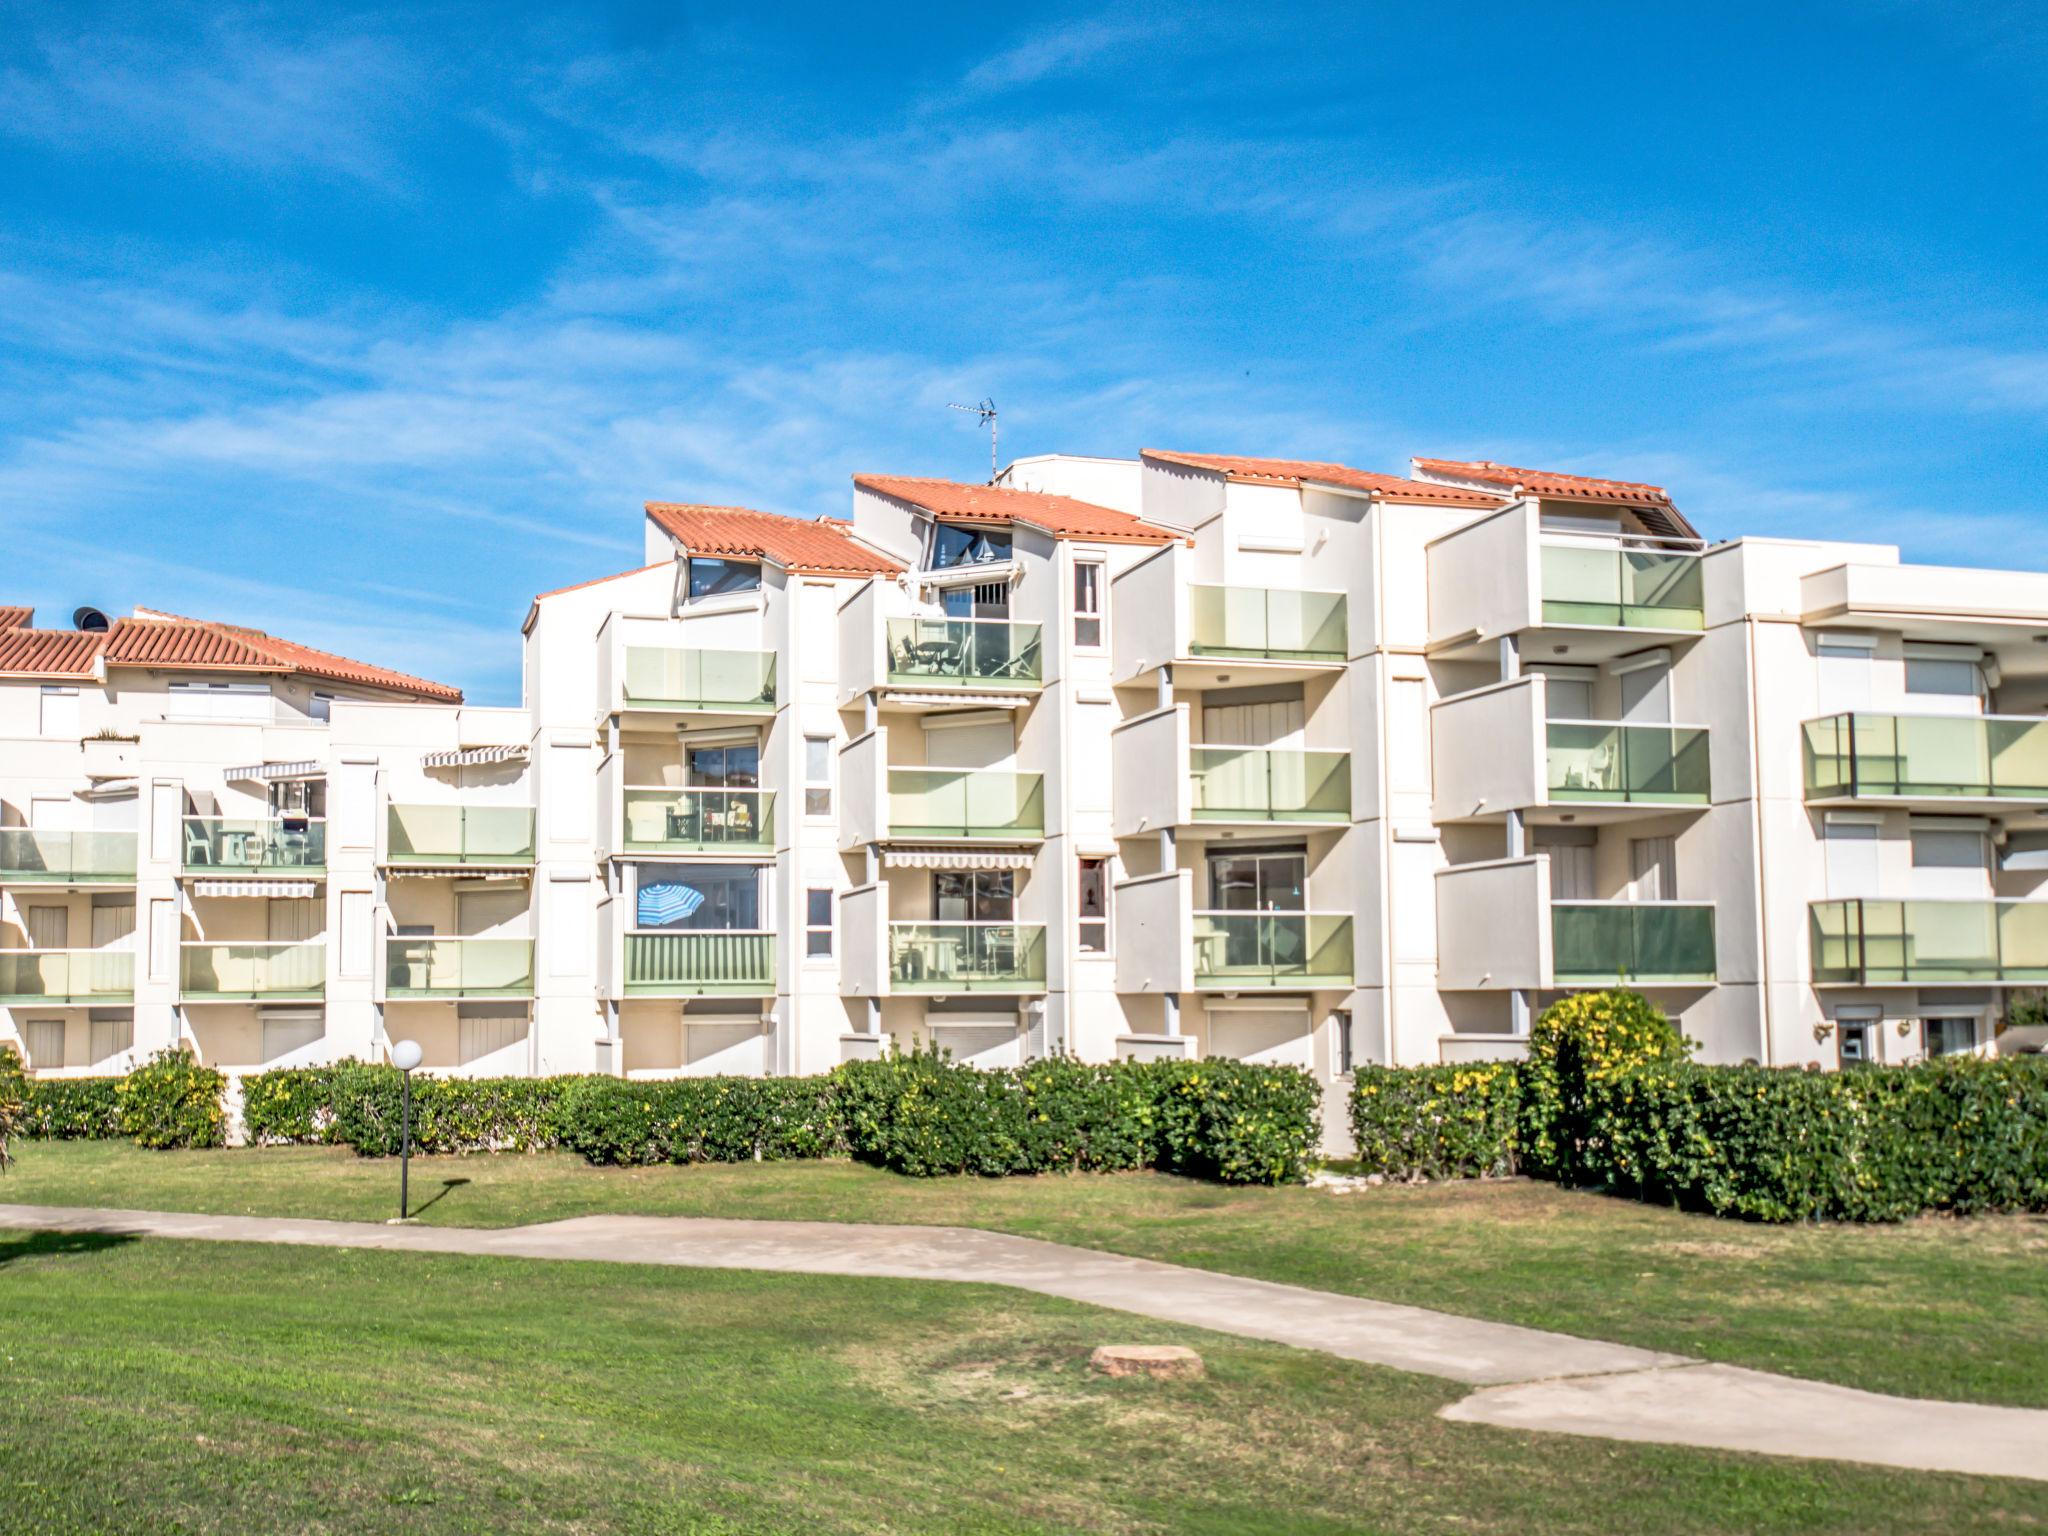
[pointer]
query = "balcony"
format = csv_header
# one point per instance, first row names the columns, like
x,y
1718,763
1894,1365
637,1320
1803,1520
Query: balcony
x,y
968,805
667,678
60,976
1280,785
699,820
966,957
1621,586
699,963
1939,758
458,967
1614,763
1662,943
252,972
465,836
1266,624
291,845
1938,943
979,655
1235,950
31,856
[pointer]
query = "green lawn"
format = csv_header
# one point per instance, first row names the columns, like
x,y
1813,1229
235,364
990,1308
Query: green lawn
x,y
160,1386
1936,1308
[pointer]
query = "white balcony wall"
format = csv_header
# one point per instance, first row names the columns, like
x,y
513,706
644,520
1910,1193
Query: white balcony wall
x,y
861,639
1154,932
1487,750
1924,591
1148,760
1493,925
1485,579
864,789
1150,604
864,941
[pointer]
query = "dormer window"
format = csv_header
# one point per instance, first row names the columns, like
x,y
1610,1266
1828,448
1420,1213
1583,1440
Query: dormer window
x,y
956,546
716,578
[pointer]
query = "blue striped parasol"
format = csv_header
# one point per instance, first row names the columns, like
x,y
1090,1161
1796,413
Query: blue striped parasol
x,y
668,902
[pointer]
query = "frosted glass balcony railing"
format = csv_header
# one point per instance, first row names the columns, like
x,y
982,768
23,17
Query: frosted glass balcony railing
x,y
252,971
699,820
1270,784
1637,941
666,677
276,845
1269,623
31,976
966,802
486,836
1612,586
1927,757
458,967
1607,761
30,855
700,961
1872,943
1272,949
964,653
967,957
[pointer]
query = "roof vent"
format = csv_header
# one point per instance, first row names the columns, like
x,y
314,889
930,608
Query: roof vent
x,y
90,621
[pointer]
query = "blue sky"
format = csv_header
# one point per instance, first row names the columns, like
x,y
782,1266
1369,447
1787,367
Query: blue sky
x,y
365,326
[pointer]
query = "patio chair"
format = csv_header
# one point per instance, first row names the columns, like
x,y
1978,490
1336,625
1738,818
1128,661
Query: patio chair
x,y
198,847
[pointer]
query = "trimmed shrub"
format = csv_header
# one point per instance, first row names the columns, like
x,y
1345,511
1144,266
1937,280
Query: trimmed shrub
x,y
1233,1121
449,1114
73,1109
173,1101
13,1102
1456,1122
918,1113
1870,1144
290,1104
700,1119
1579,1042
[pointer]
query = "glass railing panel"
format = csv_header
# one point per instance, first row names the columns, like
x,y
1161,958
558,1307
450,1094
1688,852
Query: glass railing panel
x,y
669,677
701,961
31,854
1631,941
1272,622
1932,942
978,653
1270,784
215,844
1272,949
459,834
967,957
1617,588
67,975
253,970
957,802
695,819
1653,764
429,967
1927,757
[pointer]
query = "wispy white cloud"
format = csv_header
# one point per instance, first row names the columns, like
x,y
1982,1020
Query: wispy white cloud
x,y
1061,50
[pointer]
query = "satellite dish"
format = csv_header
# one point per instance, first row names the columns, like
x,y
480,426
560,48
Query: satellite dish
x,y
90,620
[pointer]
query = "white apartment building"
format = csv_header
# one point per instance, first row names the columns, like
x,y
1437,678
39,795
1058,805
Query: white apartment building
x,y
1185,754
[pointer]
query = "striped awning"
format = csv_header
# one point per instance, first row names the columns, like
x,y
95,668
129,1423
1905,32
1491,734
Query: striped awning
x,y
513,872
959,700
470,756
271,772
957,858
298,888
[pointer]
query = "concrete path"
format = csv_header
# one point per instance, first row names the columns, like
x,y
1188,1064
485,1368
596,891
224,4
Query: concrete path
x,y
1530,1379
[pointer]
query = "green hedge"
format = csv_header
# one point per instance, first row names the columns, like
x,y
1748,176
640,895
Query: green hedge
x,y
168,1101
1456,1122
72,1109
1872,1144
700,1119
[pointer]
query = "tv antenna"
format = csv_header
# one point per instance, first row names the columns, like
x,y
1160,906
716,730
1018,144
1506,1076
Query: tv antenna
x,y
986,411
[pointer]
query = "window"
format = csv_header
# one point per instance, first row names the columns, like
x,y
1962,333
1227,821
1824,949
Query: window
x,y
110,1037
1340,1022
696,897
45,1041
953,546
974,895
817,924
1949,1037
1094,906
1088,604
59,711
1953,677
817,775
221,701
715,578
322,707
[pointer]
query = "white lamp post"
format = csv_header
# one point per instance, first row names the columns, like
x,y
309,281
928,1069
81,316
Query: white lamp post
x,y
405,1055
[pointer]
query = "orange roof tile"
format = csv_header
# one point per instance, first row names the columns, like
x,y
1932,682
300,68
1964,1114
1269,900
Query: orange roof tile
x,y
1297,471
151,639
1061,516
820,547
15,616
1553,485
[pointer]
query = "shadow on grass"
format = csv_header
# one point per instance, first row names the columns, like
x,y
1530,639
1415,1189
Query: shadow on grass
x,y
56,1245
446,1186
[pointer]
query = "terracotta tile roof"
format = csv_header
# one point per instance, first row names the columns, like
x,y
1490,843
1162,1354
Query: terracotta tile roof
x,y
1061,516
152,639
1297,471
822,547
1654,500
15,616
